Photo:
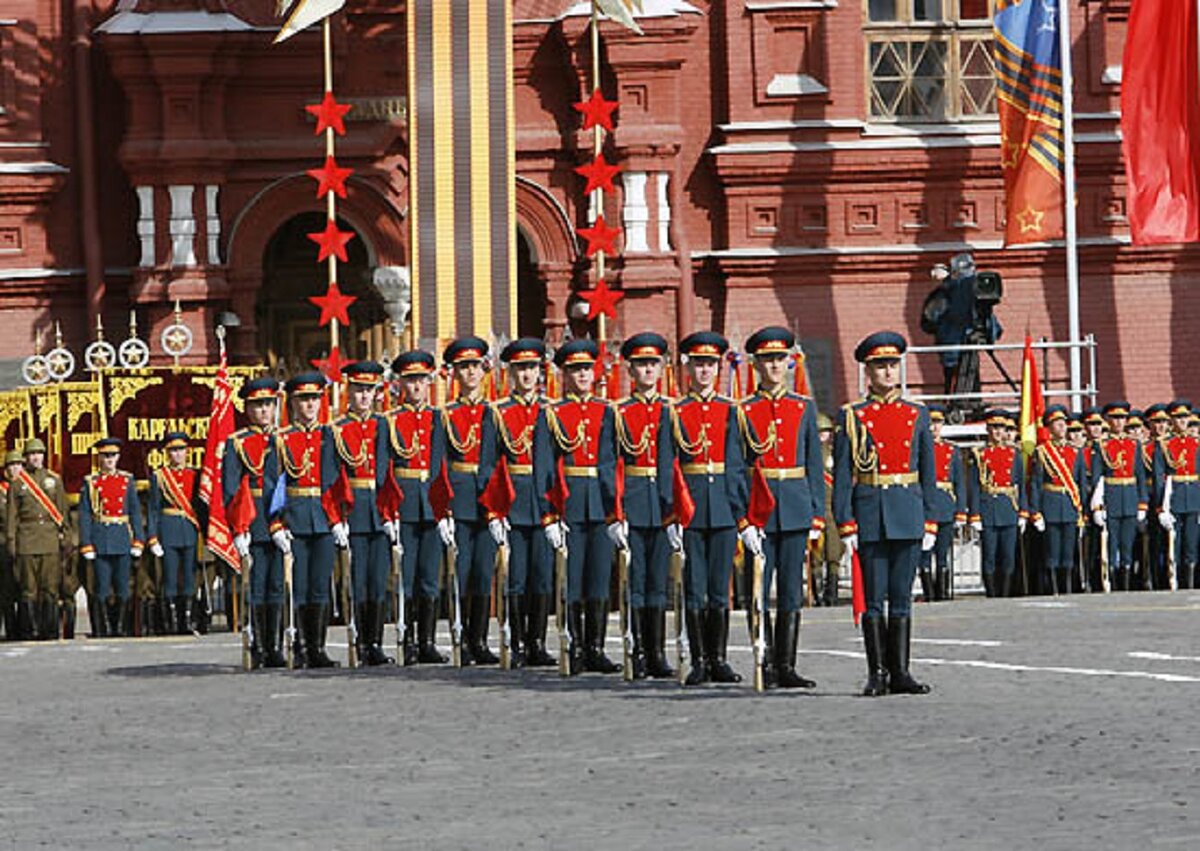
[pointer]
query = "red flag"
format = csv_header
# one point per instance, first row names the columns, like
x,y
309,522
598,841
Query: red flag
x,y
219,538
241,509
389,498
858,596
1033,406
1160,122
338,498
685,506
619,507
762,501
441,494
498,496
800,378
559,492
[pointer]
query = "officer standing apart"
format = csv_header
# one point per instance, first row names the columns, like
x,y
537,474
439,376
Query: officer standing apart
x,y
997,504
779,435
643,431
309,464
575,438
173,530
249,471
704,426
1058,481
110,530
361,439
418,448
950,509
470,448
530,573
1119,493
885,480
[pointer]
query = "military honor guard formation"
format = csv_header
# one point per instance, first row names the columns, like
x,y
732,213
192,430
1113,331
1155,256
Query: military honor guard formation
x,y
525,507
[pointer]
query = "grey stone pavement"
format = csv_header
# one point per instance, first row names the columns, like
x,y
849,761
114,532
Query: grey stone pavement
x,y
1054,724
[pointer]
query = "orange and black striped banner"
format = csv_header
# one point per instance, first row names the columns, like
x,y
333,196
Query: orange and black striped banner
x,y
462,168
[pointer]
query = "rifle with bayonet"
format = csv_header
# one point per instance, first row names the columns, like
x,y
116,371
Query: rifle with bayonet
x,y
345,566
248,660
450,571
758,621
502,613
626,613
561,618
289,626
675,578
401,617
1172,578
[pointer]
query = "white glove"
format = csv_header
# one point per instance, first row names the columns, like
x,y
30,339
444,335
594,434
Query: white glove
x,y
157,549
241,544
498,526
135,552
1040,524
392,529
1141,515
618,533
1099,517
1098,496
814,534
675,536
927,541
90,555
341,535
556,535
283,541
1021,523
977,525
850,542
446,531
1167,520
752,538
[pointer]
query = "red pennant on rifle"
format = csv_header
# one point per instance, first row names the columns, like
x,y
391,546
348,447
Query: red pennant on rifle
x,y
241,510
498,497
338,498
389,498
559,492
762,501
858,596
619,506
441,494
685,506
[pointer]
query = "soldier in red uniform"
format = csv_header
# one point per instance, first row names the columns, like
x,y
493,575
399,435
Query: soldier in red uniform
x,y
1177,466
173,531
1119,494
780,441
996,497
1058,483
470,449
361,440
110,530
950,509
575,440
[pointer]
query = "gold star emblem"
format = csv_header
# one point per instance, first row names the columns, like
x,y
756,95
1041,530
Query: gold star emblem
x,y
1010,154
1030,220
176,340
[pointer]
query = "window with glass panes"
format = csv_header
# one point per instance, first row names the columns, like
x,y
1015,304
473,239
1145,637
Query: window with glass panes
x,y
929,60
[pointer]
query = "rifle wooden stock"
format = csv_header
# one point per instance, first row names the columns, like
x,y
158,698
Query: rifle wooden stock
x,y
758,612
675,578
1104,583
502,557
247,562
561,620
289,624
450,560
623,588
343,559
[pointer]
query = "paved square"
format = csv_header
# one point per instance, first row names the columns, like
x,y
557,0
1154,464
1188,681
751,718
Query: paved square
x,y
1055,724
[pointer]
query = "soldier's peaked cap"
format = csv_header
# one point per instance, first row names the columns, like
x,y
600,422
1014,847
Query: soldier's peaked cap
x,y
1053,413
12,456
882,345
465,350
577,351
524,350
363,372
1180,407
108,445
306,384
1119,408
415,362
34,444
772,340
703,344
175,440
264,387
644,346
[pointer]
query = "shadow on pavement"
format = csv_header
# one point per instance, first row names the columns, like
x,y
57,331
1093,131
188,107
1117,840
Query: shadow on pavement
x,y
179,669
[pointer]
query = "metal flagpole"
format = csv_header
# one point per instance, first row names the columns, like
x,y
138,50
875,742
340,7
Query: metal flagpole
x,y
1072,246
331,207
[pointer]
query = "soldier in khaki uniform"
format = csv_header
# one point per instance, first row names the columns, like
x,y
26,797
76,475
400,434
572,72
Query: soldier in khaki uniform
x,y
9,589
831,549
35,532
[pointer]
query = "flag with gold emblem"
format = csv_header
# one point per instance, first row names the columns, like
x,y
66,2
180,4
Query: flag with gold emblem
x,y
1029,91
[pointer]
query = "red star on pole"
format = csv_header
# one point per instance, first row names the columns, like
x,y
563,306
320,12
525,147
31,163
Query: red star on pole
x,y
333,305
599,175
331,367
332,241
329,113
330,178
600,237
597,111
602,300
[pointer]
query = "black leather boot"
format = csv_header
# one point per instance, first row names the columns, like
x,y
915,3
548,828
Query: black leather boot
x,y
47,615
410,632
481,605
536,655
926,585
316,627
1002,582
694,625
183,615
427,652
258,620
654,628
96,618
25,620
989,584
899,635
516,630
787,641
465,655
272,636
68,620
168,616
597,627
638,652
362,634
375,614
716,628
578,638
1064,580
147,613
113,610
873,629
831,585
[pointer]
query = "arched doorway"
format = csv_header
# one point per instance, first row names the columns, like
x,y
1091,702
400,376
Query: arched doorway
x,y
531,291
289,335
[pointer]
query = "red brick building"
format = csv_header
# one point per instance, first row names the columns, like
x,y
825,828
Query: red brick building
x,y
794,161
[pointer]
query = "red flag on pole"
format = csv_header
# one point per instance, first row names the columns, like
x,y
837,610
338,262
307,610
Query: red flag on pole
x,y
499,494
1160,122
219,538
241,509
441,494
389,497
762,501
559,493
685,506
1033,406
